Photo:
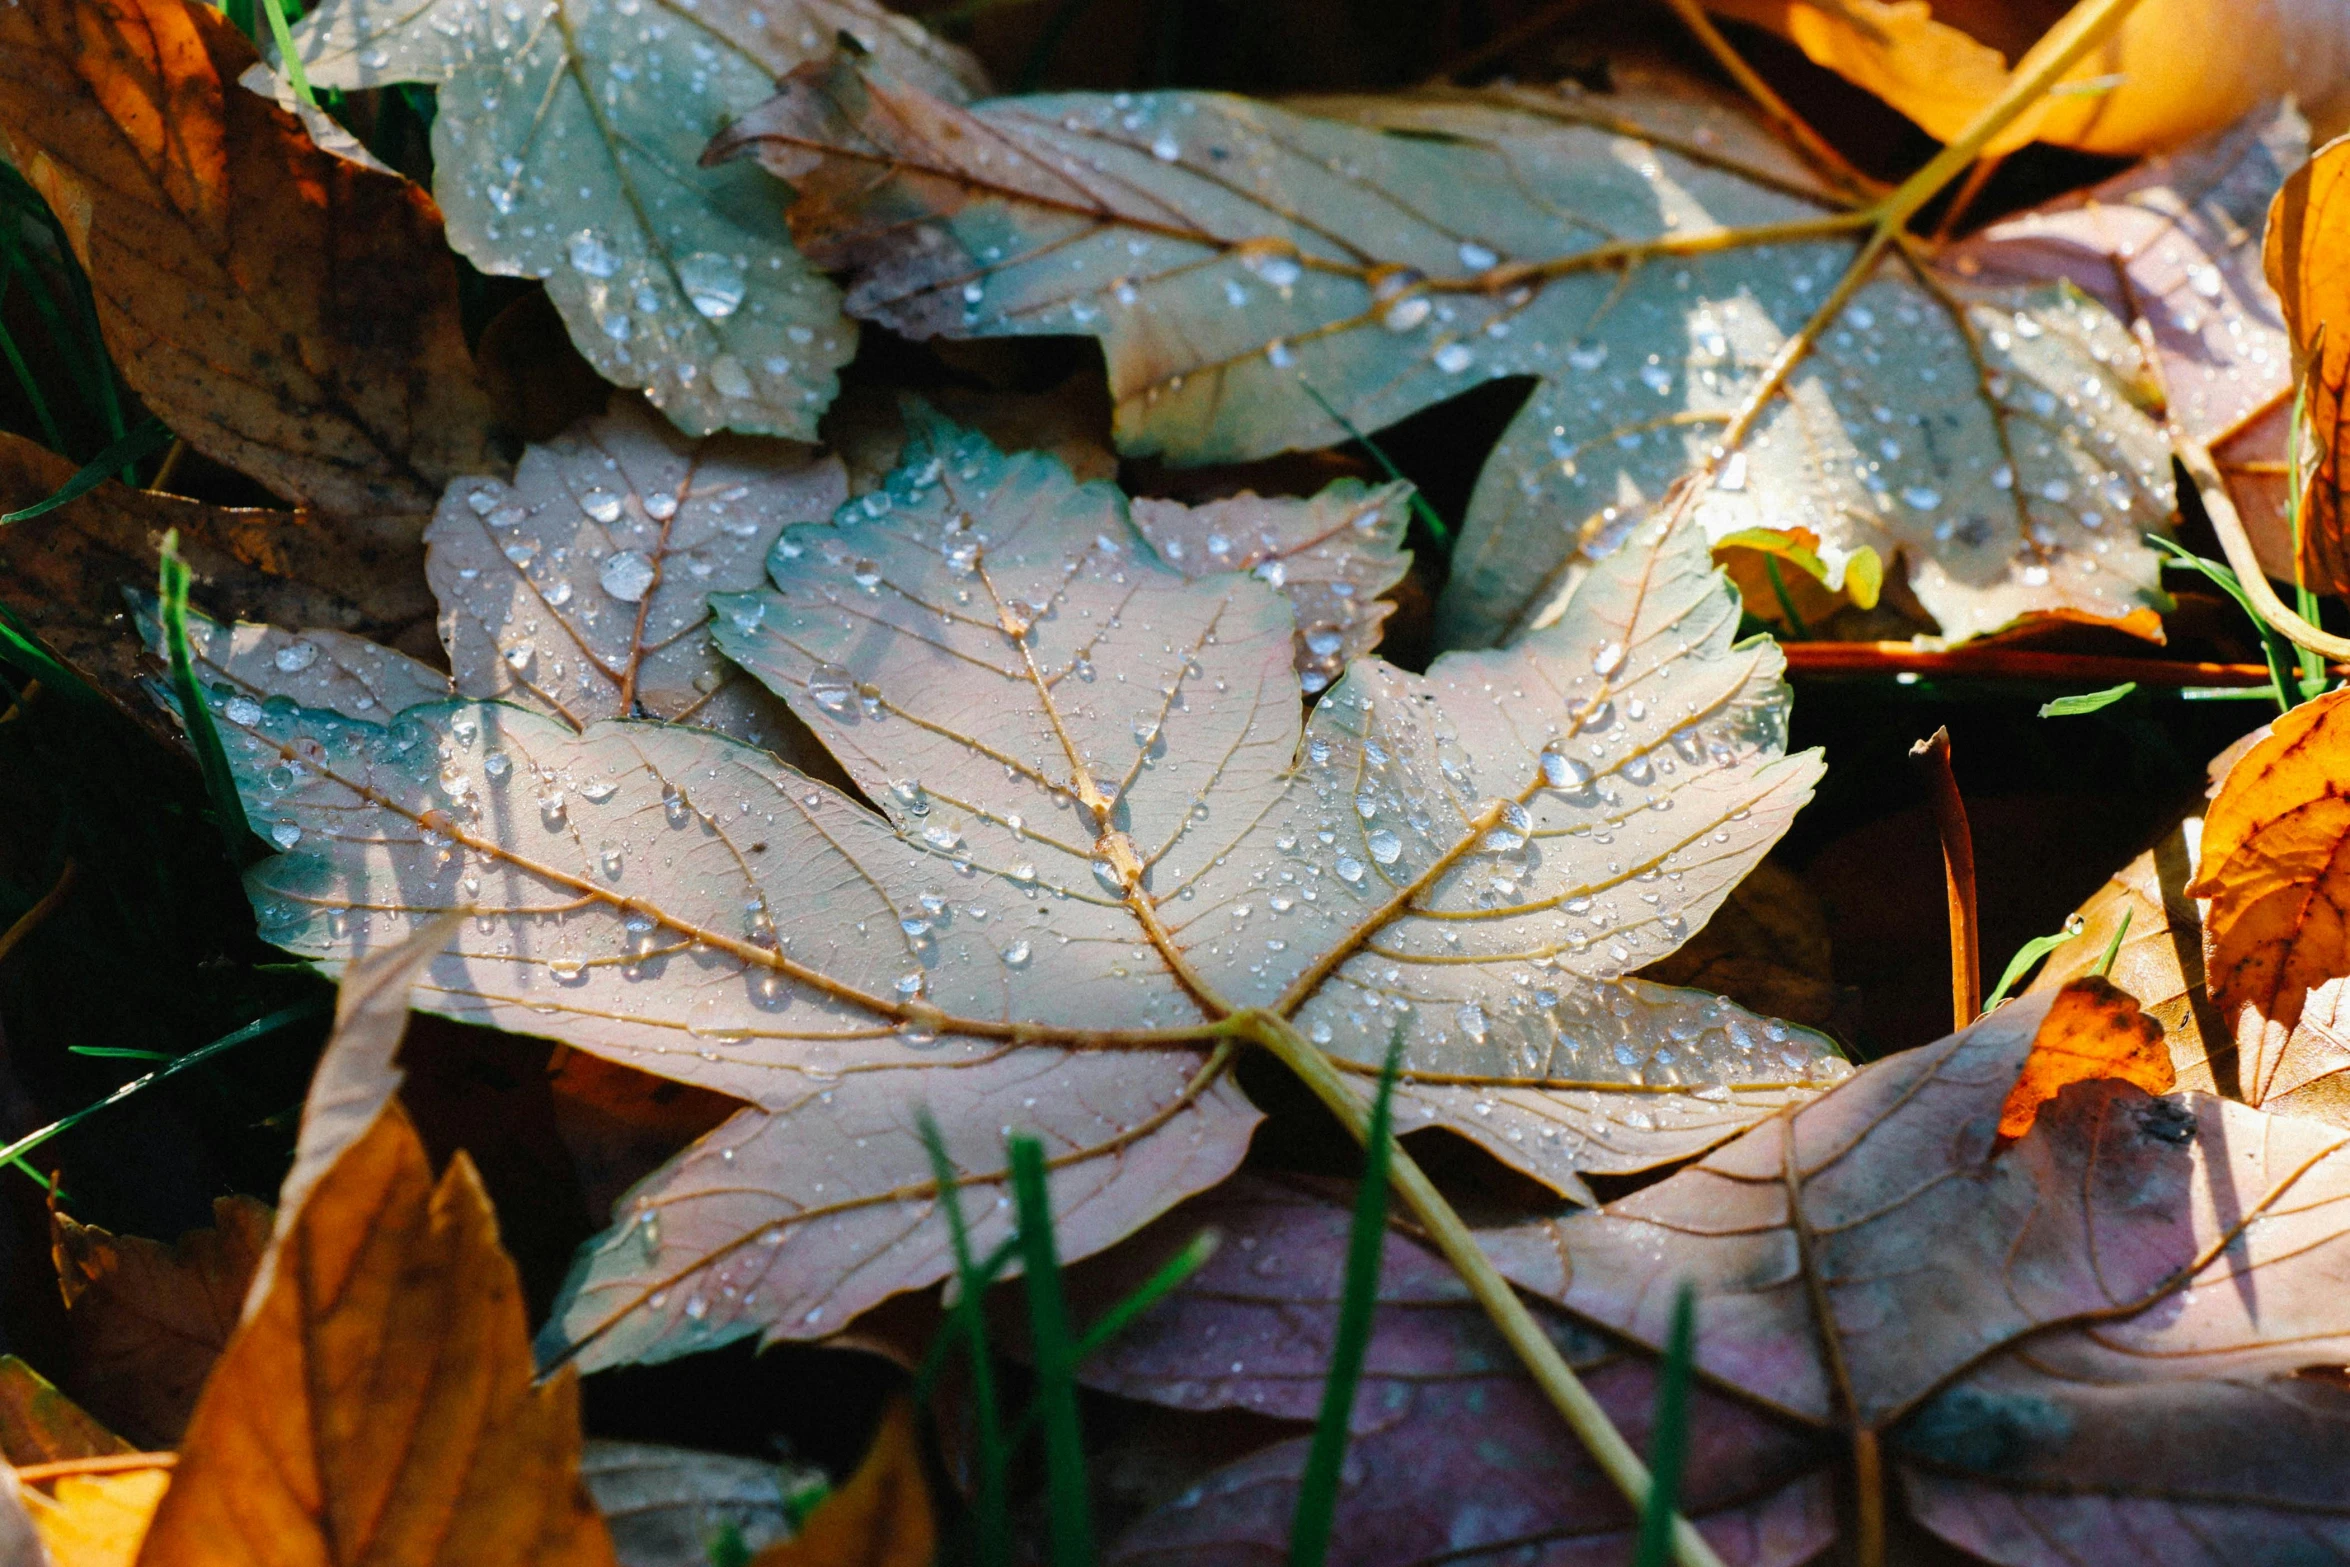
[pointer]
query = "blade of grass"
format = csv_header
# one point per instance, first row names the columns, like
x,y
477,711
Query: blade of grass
x,y
1071,1518
969,1323
2271,645
283,37
2113,948
1317,1490
2028,954
151,436
2087,701
62,339
1154,1289
1420,507
1668,1447
219,783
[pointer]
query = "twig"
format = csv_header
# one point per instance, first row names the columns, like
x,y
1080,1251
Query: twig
x,y
1810,143
30,920
2195,458
1958,877
1453,1238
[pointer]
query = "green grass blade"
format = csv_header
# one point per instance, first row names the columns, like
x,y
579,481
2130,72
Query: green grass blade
x,y
1071,1531
2277,650
283,36
1668,1448
2026,955
992,1506
151,436
2113,948
1317,1491
1154,1289
2087,701
219,783
1420,507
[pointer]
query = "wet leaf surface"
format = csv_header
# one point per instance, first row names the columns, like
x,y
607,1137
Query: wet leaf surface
x,y
1239,260
666,1505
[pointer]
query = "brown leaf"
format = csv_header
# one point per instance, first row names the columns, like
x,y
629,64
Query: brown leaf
x,y
620,1125
880,1517
287,311
39,1425
2092,1031
377,1403
148,1320
2275,863
2306,263
665,1505
1766,948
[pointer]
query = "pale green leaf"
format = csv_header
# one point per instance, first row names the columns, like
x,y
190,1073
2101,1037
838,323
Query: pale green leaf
x,y
566,148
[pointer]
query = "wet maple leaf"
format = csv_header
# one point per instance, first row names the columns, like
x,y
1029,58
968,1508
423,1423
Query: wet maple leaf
x,y
1651,256
1103,829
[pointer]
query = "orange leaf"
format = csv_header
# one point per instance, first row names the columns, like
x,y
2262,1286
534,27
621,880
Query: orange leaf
x,y
148,1320
40,1425
2092,1031
2309,267
290,312
880,1518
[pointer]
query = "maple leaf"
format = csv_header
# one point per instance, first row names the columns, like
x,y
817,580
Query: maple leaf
x,y
563,149
288,311
1103,832
1676,282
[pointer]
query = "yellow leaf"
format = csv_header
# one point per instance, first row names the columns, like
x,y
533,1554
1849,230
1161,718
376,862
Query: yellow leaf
x,y
2092,1031
880,1518
97,1520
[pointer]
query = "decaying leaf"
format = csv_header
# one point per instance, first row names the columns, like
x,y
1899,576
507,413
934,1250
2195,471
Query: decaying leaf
x,y
2175,70
2303,254
584,586
2092,1031
1248,268
1103,829
287,311
880,1516
377,1403
1454,1454
148,1320
2034,1324
39,1425
2174,242
97,1520
564,149
666,1505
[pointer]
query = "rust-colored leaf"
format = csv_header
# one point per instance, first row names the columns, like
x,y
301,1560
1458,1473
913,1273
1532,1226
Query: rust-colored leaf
x,y
377,1403
288,311
2275,865
39,1425
2092,1031
2307,253
880,1517
148,1320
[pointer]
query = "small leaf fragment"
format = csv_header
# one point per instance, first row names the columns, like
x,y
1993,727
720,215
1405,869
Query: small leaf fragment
x,y
2092,1031
879,1517
2087,701
98,1520
665,1505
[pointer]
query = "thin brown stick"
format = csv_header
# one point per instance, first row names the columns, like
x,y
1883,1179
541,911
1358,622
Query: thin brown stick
x,y
1868,1499
1958,877
2012,663
30,920
1976,178
105,1463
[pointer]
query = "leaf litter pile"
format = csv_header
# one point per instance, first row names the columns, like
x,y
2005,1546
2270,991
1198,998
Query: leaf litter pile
x,y
1024,783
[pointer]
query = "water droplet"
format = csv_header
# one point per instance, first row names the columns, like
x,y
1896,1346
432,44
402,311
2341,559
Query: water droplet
x,y
1587,356
627,575
1472,1019
295,657
831,687
866,574
242,711
660,505
285,834
1608,659
713,284
1406,313
1385,846
566,970
602,505
551,812
597,790
1920,498
1350,869
1475,256
590,255
2205,280
910,984
1016,955
611,856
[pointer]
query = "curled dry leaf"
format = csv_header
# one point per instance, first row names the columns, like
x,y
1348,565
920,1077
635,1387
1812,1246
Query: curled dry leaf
x,y
2028,1322
2274,859
880,1516
2175,69
666,1505
1650,256
583,588
1102,830
2307,225
1454,1453
287,311
2175,242
377,1402
563,149
148,1320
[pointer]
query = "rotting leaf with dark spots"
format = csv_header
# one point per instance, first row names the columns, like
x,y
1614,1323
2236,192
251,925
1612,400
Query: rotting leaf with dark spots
x,y
1104,829
2092,1031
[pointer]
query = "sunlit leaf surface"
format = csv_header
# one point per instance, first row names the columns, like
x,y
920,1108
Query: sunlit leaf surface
x,y
565,148
1104,826
1650,260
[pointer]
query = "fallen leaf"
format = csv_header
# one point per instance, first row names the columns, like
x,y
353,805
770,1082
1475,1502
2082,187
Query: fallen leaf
x,y
1453,1451
584,586
880,1516
2173,71
147,1320
619,1125
377,1402
98,1520
1250,268
287,311
2027,1323
39,1425
665,1505
2304,266
1070,422
2275,944
63,576
2174,242
563,149
1103,827
2092,1031
323,669
1765,948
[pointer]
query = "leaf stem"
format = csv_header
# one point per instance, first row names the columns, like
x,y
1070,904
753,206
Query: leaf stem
x,y
1459,1247
1958,877
2195,458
